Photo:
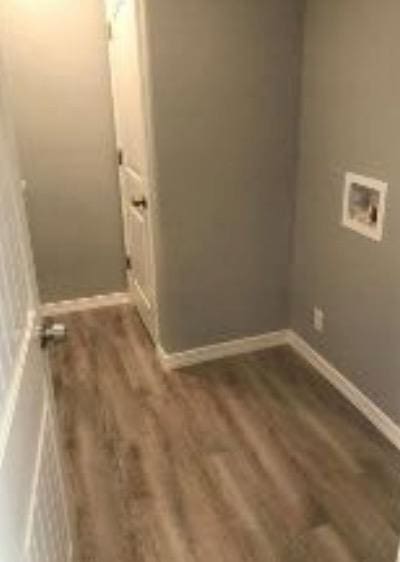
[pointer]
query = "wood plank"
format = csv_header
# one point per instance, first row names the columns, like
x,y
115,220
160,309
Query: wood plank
x,y
247,458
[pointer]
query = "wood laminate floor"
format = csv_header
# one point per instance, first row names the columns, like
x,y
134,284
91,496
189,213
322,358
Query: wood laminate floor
x,y
252,458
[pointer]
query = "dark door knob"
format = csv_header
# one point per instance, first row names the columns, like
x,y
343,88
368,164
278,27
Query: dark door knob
x,y
139,203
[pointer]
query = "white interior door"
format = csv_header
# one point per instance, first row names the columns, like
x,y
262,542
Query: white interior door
x,y
33,515
130,117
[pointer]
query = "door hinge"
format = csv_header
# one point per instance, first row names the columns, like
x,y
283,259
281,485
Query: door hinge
x,y
120,157
110,31
128,263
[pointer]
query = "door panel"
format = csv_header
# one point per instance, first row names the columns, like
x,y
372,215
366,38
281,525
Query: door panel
x,y
15,294
20,441
31,481
137,244
27,431
48,531
127,82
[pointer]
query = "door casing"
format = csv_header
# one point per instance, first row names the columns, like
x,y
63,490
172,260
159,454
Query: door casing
x,y
147,173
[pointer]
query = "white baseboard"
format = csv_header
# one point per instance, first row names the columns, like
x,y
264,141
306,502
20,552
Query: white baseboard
x,y
220,350
288,337
370,410
90,303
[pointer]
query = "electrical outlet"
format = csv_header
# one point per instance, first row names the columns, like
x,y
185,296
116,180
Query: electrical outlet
x,y
319,320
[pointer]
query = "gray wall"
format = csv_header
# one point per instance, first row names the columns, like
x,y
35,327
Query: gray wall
x,y
65,131
350,122
225,92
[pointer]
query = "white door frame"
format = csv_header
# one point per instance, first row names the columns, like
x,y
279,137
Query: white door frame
x,y
150,155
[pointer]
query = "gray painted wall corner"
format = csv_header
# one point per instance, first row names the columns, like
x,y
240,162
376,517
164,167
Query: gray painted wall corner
x,y
225,102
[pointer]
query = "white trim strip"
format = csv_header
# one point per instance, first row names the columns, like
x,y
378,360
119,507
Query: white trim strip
x,y
36,474
217,351
364,404
90,303
7,416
